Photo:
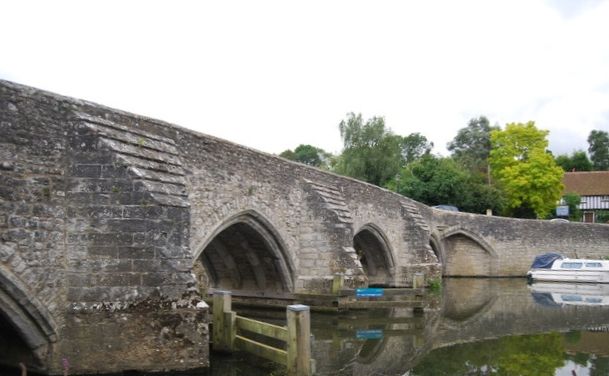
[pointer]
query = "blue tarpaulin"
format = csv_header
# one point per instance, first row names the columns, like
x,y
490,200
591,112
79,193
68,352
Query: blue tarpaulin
x,y
371,292
545,261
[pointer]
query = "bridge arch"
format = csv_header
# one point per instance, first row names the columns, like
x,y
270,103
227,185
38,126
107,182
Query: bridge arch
x,y
24,316
375,254
245,254
437,246
466,254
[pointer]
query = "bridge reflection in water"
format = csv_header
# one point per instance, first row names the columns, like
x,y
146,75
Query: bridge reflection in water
x,y
475,326
479,325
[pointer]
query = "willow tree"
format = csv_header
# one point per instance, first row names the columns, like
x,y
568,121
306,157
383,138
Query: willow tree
x,y
526,172
371,152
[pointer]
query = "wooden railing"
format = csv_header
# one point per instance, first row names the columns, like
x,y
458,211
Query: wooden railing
x,y
230,330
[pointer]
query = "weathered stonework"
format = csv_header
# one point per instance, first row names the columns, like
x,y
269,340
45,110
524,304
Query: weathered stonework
x,y
95,223
116,223
478,245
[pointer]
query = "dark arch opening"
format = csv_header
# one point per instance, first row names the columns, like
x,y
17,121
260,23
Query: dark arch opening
x,y
247,258
374,255
14,349
26,329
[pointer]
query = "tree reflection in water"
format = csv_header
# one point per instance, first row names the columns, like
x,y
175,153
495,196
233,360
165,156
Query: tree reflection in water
x,y
534,355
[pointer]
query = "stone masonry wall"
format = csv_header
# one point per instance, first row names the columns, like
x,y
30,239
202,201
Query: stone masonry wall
x,y
515,242
94,221
315,213
32,206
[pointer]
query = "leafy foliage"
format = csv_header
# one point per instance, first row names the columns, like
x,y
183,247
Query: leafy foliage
x,y
288,154
413,147
577,161
472,145
371,152
602,216
435,181
307,154
598,142
572,200
528,175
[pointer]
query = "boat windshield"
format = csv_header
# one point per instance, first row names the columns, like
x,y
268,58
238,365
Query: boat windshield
x,y
571,298
571,265
593,265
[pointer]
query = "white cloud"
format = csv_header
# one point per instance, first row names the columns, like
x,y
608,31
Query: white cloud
x,y
274,74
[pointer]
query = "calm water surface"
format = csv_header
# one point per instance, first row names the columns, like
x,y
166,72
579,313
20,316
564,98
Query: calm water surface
x,y
474,327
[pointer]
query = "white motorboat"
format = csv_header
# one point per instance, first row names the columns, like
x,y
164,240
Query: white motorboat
x,y
553,267
561,293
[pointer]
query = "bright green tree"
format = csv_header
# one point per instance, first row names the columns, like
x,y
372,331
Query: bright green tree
x,y
577,161
598,142
526,172
371,152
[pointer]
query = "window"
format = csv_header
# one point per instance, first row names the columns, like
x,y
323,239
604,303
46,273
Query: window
x,y
594,300
571,298
571,265
593,265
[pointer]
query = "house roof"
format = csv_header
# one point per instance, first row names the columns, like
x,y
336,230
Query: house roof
x,y
587,183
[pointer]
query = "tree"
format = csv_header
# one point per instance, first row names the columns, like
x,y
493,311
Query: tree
x,y
577,161
598,148
472,144
572,200
288,154
371,152
413,147
526,172
435,180
307,154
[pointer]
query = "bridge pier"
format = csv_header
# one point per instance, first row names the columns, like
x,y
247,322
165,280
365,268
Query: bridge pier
x,y
153,336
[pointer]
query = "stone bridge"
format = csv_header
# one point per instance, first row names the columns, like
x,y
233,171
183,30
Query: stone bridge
x,y
112,223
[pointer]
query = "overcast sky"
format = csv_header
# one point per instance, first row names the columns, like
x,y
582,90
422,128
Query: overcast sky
x,y
274,74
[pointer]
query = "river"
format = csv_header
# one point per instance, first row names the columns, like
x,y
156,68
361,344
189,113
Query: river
x,y
472,327
475,327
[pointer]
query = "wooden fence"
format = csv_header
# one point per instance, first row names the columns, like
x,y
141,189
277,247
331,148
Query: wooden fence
x,y
230,330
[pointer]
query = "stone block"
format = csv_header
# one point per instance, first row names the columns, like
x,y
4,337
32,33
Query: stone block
x,y
136,253
118,279
157,279
86,170
6,251
146,265
142,211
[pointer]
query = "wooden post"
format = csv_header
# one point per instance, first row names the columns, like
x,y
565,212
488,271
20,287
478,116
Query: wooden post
x,y
418,281
222,323
230,330
299,340
338,282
